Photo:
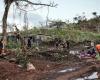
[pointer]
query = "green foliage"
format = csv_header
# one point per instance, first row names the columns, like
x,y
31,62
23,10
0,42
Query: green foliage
x,y
22,58
12,44
76,35
68,33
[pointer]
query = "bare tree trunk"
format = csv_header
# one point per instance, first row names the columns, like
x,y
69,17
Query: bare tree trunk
x,y
4,25
23,45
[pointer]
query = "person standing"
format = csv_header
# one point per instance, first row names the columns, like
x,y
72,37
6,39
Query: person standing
x,y
29,43
1,45
98,51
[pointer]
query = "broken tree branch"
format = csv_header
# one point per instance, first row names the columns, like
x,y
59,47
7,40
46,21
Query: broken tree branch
x,y
23,46
51,4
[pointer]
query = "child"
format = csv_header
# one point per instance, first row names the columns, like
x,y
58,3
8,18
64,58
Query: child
x,y
82,54
91,52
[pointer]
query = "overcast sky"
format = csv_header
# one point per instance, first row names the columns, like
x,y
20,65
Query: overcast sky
x,y
66,9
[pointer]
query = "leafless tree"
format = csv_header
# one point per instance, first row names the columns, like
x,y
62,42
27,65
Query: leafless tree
x,y
8,3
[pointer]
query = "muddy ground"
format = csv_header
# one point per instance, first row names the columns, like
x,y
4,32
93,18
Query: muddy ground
x,y
49,66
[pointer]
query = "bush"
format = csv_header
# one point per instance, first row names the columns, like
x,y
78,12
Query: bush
x,y
12,44
22,58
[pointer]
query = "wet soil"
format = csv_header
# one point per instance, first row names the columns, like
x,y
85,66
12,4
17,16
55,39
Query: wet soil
x,y
47,67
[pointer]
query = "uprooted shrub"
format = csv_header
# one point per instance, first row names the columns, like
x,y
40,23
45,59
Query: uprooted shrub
x,y
21,58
